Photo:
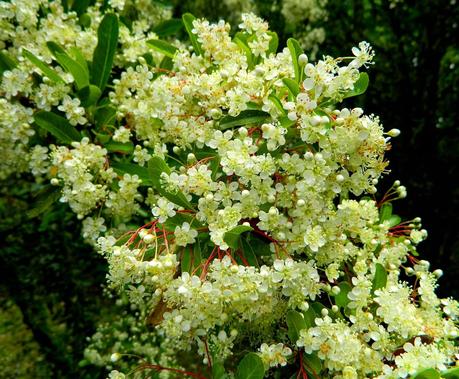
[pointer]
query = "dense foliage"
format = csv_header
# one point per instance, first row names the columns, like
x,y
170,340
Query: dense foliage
x,y
231,191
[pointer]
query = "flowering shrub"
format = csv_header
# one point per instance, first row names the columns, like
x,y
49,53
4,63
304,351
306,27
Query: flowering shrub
x,y
232,193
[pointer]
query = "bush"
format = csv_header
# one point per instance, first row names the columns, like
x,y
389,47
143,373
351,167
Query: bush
x,y
231,187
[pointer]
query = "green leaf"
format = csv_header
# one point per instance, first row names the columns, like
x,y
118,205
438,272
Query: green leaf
x,y
163,47
295,51
249,253
156,166
244,118
380,279
360,86
292,86
452,373
394,220
273,43
185,261
58,126
385,212
44,68
188,19
78,72
80,59
133,169
218,370
250,367
240,40
107,40
341,299
168,27
45,198
191,258
295,323
6,63
313,362
89,95
80,6
232,236
105,115
310,317
429,373
119,147
259,247
276,101
166,63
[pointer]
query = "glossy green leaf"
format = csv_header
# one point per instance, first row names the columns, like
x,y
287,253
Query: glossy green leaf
x,y
119,147
394,220
250,367
6,63
156,166
133,169
242,43
44,68
232,236
248,253
70,65
196,258
295,323
163,47
244,118
80,59
380,278
58,126
295,51
292,86
218,370
277,103
188,19
168,27
452,373
80,6
89,95
429,373
260,247
107,41
273,43
341,299
105,115
385,212
360,86
313,363
309,317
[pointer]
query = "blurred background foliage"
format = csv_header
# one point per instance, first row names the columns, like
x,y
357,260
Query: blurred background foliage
x,y
51,296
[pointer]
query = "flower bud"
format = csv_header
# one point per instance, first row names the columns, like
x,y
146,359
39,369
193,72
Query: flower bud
x,y
393,133
438,273
302,59
149,238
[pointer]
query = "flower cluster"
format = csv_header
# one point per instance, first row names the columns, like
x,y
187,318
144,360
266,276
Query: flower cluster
x,y
222,183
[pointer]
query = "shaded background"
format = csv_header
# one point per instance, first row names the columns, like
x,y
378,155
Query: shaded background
x,y
51,282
